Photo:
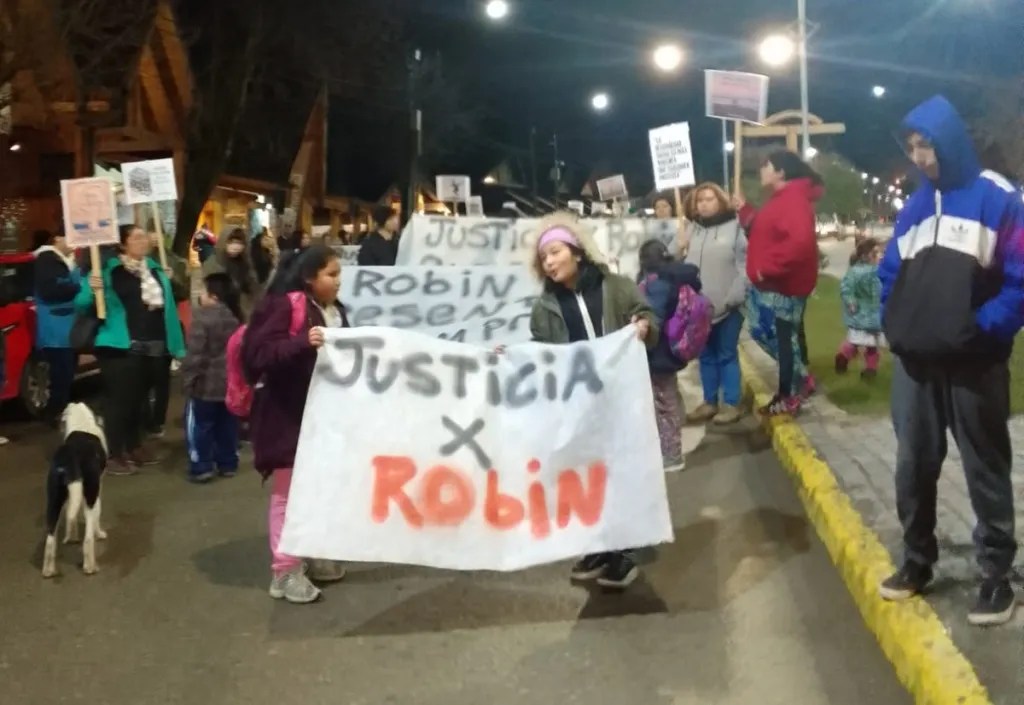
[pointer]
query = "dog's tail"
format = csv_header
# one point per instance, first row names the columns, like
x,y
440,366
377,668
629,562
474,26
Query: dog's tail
x,y
74,501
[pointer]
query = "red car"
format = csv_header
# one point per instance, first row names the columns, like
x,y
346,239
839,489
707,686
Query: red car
x,y
27,376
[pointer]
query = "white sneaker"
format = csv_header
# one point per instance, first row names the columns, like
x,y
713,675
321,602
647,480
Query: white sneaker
x,y
294,587
675,466
323,571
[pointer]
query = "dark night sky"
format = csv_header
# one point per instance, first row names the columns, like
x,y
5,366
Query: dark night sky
x,y
541,66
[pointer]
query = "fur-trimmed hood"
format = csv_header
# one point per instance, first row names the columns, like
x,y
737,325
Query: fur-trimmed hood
x,y
571,222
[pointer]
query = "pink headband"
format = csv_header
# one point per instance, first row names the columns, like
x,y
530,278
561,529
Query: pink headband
x,y
557,234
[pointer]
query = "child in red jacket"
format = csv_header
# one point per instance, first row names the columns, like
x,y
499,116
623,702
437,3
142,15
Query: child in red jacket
x,y
782,263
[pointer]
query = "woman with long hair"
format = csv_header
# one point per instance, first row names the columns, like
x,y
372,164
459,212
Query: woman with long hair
x,y
718,248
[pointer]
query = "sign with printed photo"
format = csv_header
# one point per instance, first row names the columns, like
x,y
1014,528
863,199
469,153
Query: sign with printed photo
x,y
734,95
453,189
149,181
612,188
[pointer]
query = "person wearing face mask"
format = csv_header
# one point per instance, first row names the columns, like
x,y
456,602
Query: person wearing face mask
x,y
232,258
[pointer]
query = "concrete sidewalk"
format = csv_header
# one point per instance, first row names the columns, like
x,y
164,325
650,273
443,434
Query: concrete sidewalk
x,y
860,453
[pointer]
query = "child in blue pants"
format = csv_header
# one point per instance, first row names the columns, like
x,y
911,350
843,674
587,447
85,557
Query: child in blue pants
x,y
211,431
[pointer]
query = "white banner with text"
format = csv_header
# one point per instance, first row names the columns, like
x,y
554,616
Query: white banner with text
x,y
461,242
421,451
484,305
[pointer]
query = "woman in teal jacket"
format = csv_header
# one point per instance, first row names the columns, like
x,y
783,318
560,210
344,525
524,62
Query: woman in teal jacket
x,y
140,330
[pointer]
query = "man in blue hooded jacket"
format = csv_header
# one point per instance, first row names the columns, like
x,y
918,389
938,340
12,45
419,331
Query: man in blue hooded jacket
x,y
953,301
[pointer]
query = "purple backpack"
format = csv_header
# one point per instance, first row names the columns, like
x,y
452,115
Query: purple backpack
x,y
689,326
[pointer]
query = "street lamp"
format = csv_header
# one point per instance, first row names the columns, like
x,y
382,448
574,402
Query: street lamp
x,y
600,102
875,180
864,176
730,147
878,91
668,57
497,9
777,50
810,153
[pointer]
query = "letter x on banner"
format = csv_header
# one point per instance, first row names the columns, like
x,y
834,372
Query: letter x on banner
x,y
423,451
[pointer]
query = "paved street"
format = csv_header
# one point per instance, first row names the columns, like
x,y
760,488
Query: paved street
x,y
862,452
744,607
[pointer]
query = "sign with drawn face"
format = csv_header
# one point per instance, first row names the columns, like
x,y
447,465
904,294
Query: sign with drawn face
x,y
90,212
485,305
423,451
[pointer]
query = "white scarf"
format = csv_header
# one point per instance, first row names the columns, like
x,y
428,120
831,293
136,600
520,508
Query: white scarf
x,y
152,290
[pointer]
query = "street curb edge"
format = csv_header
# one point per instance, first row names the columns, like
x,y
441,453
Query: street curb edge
x,y
911,635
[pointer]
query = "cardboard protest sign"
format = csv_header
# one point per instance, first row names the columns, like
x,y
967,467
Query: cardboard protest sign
x,y
672,156
486,305
734,95
612,188
453,189
440,241
349,255
475,205
427,452
149,181
90,212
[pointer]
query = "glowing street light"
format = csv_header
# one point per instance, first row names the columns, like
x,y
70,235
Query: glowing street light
x,y
864,176
15,146
875,180
878,91
497,9
668,57
777,50
600,102
811,153
730,147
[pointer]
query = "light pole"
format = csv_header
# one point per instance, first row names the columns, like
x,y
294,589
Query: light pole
x,y
805,106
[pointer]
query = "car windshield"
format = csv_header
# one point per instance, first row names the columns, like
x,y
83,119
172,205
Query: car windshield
x,y
15,282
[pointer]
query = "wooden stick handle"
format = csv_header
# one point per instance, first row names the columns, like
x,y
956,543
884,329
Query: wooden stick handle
x,y
94,260
160,236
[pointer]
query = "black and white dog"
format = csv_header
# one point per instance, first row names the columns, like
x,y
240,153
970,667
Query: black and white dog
x,y
76,473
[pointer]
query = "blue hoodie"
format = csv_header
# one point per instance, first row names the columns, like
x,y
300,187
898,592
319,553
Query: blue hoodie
x,y
953,274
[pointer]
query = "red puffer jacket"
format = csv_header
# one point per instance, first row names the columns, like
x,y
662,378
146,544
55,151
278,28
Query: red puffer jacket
x,y
782,254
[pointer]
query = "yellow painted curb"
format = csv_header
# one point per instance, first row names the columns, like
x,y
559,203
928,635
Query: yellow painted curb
x,y
910,633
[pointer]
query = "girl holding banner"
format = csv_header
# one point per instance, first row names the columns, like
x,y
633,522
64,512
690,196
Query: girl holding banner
x,y
283,363
582,300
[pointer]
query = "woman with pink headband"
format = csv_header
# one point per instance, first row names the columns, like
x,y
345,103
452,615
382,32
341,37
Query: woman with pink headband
x,y
583,299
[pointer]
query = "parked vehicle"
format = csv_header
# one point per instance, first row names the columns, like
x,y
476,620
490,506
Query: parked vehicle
x,y
27,377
